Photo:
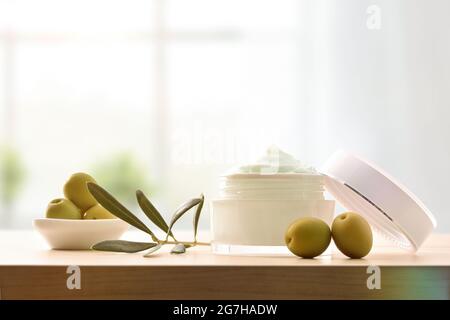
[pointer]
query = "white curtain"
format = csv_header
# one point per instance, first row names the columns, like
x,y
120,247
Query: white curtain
x,y
382,91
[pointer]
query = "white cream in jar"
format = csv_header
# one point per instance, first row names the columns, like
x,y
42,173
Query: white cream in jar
x,y
257,202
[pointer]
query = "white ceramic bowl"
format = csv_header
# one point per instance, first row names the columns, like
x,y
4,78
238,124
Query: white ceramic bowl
x,y
68,234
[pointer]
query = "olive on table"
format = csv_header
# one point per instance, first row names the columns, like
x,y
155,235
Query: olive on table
x,y
352,235
308,237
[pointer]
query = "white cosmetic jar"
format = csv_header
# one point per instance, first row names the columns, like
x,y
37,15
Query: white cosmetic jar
x,y
253,211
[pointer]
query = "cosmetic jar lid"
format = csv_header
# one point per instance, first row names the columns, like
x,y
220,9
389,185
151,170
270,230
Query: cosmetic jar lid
x,y
389,207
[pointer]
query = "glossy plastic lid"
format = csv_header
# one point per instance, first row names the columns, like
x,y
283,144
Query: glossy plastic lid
x,y
389,207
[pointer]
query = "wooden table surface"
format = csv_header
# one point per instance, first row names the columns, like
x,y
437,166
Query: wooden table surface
x,y
29,270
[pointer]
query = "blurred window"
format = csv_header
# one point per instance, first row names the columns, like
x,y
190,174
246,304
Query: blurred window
x,y
155,85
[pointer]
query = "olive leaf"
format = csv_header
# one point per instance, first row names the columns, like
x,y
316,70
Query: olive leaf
x,y
117,209
153,250
197,215
178,249
123,246
152,213
181,211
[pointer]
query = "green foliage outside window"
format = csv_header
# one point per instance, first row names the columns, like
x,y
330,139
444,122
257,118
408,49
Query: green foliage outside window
x,y
12,175
121,174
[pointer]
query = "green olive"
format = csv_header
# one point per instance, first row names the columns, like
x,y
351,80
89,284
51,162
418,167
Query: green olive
x,y
76,190
352,235
98,212
62,209
308,237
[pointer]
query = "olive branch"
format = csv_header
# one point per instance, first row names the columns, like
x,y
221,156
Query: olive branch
x,y
121,212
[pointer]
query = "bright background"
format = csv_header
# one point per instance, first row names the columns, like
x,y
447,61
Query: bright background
x,y
164,95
